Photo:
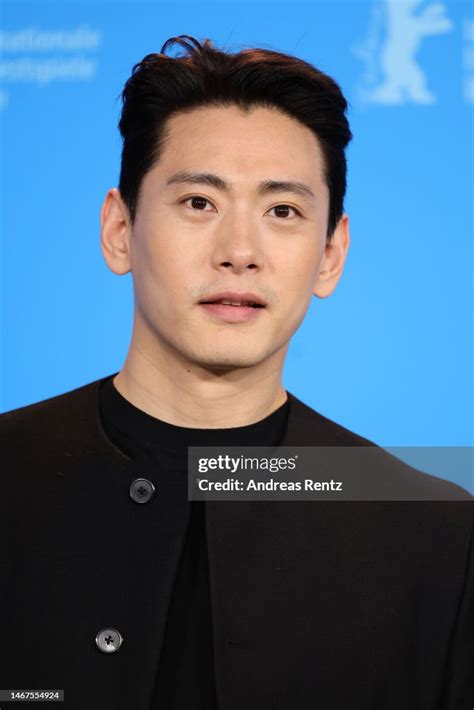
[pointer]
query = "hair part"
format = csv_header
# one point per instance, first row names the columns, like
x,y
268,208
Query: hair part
x,y
204,76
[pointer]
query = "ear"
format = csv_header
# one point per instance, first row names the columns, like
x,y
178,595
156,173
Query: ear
x,y
115,233
332,263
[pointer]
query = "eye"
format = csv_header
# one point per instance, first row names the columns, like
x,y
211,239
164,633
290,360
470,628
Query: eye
x,y
197,200
285,208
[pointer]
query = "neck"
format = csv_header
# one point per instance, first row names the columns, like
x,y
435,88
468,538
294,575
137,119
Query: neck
x,y
183,393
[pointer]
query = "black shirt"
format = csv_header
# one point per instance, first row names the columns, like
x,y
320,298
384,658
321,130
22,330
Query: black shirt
x,y
185,673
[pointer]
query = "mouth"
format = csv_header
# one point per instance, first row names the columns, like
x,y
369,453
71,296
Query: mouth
x,y
233,306
232,311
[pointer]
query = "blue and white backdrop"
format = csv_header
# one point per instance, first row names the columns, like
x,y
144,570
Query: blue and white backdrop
x,y
390,354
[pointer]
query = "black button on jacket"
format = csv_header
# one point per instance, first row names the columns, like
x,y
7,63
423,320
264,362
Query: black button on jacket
x,y
315,605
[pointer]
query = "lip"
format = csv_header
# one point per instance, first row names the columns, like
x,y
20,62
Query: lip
x,y
231,314
235,296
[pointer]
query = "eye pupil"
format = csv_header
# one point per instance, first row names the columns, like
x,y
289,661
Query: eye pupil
x,y
200,200
282,207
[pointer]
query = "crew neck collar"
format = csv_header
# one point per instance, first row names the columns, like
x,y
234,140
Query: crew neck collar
x,y
129,427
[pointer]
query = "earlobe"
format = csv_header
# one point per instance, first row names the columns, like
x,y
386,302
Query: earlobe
x,y
115,233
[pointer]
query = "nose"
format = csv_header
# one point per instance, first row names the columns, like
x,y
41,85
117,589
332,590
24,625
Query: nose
x,y
238,245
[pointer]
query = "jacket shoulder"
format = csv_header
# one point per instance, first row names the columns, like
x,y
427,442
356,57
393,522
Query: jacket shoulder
x,y
51,404
69,415
310,428
314,426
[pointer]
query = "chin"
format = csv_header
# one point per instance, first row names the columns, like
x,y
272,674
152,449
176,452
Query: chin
x,y
226,361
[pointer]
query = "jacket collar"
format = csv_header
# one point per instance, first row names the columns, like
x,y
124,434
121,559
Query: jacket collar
x,y
305,426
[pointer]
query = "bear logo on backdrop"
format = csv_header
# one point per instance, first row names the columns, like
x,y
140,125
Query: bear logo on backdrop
x,y
397,29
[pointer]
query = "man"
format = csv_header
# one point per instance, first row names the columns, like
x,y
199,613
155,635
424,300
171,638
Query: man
x,y
118,589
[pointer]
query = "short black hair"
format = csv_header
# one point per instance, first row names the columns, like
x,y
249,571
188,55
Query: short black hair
x,y
160,86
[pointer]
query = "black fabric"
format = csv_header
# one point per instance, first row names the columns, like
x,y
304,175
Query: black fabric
x,y
364,605
185,673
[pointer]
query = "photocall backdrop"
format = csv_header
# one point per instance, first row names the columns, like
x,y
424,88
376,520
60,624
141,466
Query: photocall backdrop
x,y
390,353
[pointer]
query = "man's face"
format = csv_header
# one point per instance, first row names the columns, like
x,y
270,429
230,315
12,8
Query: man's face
x,y
241,239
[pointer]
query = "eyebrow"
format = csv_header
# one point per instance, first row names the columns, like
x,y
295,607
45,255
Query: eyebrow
x,y
265,187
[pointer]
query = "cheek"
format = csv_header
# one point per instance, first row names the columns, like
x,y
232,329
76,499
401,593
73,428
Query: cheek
x,y
154,255
298,271
155,279
298,274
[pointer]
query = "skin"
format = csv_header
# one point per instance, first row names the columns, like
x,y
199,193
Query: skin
x,y
184,366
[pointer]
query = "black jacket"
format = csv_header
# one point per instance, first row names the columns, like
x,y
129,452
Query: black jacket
x,y
316,605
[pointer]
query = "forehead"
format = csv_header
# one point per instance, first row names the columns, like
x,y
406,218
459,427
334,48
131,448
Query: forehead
x,y
262,141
